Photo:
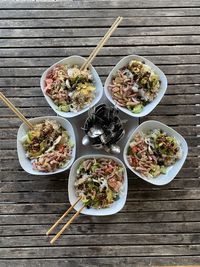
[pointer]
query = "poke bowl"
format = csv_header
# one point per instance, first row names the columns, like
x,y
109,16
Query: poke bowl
x,y
155,152
49,148
102,191
68,90
135,85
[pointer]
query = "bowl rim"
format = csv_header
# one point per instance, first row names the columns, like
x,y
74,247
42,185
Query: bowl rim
x,y
71,191
181,139
155,68
51,103
72,136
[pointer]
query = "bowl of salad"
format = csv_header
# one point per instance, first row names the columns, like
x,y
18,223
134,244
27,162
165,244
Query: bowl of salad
x,y
47,149
101,182
135,85
155,152
71,91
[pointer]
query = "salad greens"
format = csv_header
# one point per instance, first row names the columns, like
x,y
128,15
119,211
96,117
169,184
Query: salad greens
x,y
70,88
48,146
99,182
151,153
134,86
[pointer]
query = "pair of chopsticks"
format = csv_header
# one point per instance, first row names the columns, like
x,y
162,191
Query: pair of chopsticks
x,y
67,224
15,110
101,43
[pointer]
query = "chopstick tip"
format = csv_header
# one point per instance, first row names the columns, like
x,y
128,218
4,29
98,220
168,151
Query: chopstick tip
x,y
52,241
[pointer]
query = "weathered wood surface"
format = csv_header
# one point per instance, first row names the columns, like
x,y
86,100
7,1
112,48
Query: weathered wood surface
x,y
158,225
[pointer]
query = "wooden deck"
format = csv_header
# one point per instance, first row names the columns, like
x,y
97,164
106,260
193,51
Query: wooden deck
x,y
159,225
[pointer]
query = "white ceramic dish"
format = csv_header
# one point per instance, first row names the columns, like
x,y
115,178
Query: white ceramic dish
x,y
114,208
173,170
25,162
73,60
148,108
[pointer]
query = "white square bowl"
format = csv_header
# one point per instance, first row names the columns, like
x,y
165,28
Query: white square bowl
x,y
173,170
149,107
73,60
115,207
25,162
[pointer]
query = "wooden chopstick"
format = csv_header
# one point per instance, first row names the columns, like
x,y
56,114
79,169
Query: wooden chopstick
x,y
59,220
101,43
66,225
15,110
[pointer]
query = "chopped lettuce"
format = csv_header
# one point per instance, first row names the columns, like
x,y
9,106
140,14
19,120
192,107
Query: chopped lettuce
x,y
64,108
138,108
163,170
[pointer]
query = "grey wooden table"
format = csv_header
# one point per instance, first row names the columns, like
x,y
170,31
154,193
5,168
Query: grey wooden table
x,y
159,225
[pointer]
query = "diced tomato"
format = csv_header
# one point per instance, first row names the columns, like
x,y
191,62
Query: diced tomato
x,y
47,89
48,81
134,161
134,149
109,170
61,148
114,184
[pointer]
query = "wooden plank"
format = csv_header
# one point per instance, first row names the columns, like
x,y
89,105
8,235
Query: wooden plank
x,y
142,217
160,53
97,22
100,4
96,32
181,99
8,144
100,251
174,120
100,228
105,261
35,112
99,13
93,41
173,110
22,175
106,239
